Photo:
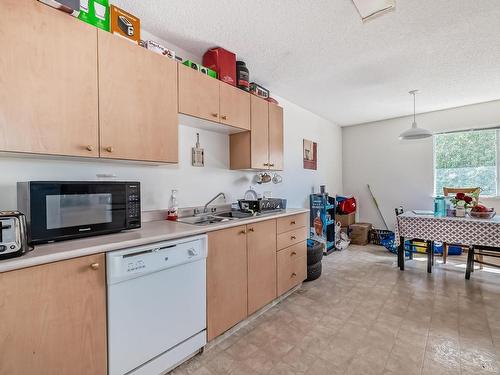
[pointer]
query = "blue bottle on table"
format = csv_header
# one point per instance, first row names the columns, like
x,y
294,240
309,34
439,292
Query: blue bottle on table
x,y
439,206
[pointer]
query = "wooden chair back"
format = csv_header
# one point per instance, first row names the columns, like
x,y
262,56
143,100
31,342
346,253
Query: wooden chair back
x,y
448,190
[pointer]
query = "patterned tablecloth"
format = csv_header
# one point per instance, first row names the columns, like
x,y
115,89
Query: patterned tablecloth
x,y
464,231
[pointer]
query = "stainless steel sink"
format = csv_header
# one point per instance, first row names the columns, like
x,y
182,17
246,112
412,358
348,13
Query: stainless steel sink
x,y
202,220
234,214
207,219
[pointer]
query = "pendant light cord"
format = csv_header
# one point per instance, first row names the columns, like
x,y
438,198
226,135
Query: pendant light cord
x,y
414,105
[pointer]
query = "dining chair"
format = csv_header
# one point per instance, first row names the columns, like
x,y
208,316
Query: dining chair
x,y
448,191
480,252
416,244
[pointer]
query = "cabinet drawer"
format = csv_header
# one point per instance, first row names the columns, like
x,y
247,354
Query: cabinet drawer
x,y
288,223
291,237
292,267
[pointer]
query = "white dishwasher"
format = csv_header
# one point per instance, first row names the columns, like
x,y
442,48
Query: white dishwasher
x,y
156,305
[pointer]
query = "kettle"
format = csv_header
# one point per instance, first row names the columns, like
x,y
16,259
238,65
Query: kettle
x,y
13,234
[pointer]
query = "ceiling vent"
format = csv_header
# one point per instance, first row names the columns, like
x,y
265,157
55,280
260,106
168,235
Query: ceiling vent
x,y
369,9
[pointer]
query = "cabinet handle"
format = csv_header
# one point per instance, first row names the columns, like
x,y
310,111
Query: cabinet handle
x,y
109,149
293,253
271,165
293,275
266,164
293,238
292,222
215,115
89,148
94,266
251,230
243,232
224,117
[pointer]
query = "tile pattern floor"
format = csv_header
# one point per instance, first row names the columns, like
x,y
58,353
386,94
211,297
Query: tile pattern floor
x,y
364,316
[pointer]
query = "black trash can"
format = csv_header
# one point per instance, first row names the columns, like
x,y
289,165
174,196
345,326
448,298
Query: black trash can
x,y
314,257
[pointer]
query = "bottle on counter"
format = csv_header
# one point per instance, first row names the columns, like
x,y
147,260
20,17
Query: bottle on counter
x,y
173,207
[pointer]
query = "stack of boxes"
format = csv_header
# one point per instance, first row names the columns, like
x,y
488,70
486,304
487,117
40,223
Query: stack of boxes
x,y
359,233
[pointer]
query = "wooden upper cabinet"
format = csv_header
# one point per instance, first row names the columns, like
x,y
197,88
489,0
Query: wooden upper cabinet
x,y
48,81
137,102
198,94
234,106
275,137
53,318
259,134
261,249
226,280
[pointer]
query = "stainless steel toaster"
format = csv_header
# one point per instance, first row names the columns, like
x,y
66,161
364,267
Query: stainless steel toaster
x,y
13,234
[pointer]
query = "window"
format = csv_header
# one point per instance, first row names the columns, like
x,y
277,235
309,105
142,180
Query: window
x,y
466,159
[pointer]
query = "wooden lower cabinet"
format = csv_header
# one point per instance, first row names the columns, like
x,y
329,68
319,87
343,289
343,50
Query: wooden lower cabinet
x,y
226,279
261,249
291,237
53,318
292,266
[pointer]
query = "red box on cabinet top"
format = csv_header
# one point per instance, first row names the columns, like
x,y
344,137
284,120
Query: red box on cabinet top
x,y
223,62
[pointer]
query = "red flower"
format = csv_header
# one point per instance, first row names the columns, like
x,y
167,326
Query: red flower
x,y
467,199
460,196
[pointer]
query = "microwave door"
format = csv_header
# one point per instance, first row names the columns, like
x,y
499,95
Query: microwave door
x,y
62,211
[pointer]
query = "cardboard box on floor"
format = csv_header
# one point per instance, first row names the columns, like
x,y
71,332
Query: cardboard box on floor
x,y
346,220
360,233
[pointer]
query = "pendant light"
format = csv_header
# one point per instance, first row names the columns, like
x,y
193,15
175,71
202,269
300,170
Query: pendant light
x,y
414,132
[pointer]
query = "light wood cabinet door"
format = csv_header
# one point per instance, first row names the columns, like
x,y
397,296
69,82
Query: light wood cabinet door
x,y
48,81
275,137
292,267
261,248
226,280
259,144
198,94
234,107
53,318
137,102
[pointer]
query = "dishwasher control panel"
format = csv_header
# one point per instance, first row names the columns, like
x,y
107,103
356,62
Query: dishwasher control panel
x,y
137,261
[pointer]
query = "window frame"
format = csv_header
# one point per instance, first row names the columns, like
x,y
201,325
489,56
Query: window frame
x,y
497,155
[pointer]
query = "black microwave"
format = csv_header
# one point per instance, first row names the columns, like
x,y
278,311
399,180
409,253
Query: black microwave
x,y
64,210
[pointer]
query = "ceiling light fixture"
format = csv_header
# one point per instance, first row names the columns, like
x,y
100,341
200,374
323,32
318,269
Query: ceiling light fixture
x,y
368,9
414,132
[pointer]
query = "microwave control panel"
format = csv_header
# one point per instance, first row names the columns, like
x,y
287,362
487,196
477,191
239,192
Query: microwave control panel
x,y
133,206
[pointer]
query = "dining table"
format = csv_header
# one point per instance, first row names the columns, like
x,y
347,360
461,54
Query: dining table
x,y
476,234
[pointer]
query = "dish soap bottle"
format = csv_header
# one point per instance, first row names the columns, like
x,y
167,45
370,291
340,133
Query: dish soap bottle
x,y
173,207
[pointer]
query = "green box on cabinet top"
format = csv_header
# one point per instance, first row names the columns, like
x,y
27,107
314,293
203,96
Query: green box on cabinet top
x,y
95,12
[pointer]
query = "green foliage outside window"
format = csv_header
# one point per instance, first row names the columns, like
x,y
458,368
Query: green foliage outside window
x,y
466,159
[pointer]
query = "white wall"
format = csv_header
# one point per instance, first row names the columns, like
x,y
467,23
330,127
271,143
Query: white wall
x,y
197,185
401,172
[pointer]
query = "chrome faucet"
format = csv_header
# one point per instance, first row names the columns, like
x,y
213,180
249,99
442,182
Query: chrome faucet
x,y
205,209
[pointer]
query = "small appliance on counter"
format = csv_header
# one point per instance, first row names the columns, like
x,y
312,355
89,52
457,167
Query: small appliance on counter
x,y
13,234
63,210
262,205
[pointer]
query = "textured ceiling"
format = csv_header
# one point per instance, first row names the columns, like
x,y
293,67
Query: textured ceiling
x,y
320,55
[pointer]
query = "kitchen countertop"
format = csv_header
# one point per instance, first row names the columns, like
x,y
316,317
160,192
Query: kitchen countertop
x,y
151,232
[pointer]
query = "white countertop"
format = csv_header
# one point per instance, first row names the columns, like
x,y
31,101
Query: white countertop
x,y
151,232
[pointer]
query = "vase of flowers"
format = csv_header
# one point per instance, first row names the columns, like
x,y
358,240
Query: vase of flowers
x,y
462,202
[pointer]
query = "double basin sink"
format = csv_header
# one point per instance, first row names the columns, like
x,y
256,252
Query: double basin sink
x,y
207,219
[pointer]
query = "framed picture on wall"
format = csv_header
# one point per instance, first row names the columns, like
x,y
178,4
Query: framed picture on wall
x,y
310,154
